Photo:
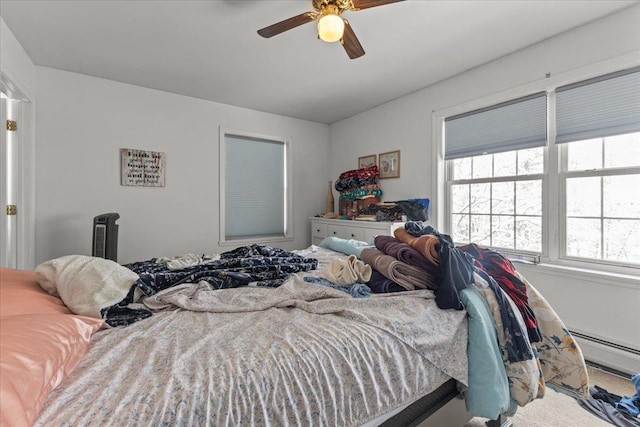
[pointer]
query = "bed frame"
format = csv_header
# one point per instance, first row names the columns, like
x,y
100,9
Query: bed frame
x,y
442,407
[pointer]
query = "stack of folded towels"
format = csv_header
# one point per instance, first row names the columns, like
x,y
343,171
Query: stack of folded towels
x,y
402,262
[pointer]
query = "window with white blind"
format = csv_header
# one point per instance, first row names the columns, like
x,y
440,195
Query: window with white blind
x,y
601,178
598,137
569,197
495,169
255,180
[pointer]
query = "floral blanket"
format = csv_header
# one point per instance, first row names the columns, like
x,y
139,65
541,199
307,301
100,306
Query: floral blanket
x,y
563,366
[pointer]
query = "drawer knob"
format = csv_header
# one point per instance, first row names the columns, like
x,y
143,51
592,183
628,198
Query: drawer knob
x,y
317,230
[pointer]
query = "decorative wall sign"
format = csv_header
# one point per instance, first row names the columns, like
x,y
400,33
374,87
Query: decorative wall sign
x,y
389,164
141,168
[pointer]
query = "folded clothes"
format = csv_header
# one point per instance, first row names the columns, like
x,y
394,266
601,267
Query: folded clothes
x,y
346,272
428,245
381,285
357,290
359,193
403,252
368,172
405,275
351,183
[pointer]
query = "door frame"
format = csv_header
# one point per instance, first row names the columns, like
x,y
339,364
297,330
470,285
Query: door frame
x,y
25,186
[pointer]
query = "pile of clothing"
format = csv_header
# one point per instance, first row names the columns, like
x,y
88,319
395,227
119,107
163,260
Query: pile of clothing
x,y
529,350
623,411
253,265
386,211
358,188
419,257
399,266
348,276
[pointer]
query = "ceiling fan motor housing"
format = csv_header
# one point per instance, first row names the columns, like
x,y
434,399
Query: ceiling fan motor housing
x,y
332,6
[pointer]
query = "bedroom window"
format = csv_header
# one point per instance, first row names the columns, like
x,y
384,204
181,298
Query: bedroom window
x,y
571,199
495,169
255,182
598,137
602,181
497,200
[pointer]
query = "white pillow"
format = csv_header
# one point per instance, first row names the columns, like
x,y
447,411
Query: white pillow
x,y
86,284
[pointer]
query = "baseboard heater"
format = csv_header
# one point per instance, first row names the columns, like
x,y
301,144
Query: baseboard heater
x,y
608,355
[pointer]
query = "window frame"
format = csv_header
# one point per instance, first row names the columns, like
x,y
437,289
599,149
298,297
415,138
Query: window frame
x,y
553,196
563,175
525,255
288,181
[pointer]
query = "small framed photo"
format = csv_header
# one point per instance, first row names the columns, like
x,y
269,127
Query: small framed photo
x,y
389,164
366,161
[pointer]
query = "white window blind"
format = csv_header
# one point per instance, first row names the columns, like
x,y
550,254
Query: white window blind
x,y
512,125
255,190
603,106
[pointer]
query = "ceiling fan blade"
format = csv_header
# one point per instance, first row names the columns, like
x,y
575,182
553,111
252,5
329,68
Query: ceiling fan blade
x,y
365,4
287,24
350,42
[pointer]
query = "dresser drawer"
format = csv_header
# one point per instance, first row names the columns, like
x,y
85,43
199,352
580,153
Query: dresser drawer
x,y
355,233
336,231
363,231
371,233
318,230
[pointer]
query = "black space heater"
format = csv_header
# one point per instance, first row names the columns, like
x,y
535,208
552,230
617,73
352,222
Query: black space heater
x,y
105,236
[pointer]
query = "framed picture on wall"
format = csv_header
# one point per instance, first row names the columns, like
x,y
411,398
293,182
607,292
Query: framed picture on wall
x,y
366,161
389,164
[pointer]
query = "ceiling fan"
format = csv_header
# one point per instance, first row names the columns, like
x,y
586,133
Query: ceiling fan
x,y
331,26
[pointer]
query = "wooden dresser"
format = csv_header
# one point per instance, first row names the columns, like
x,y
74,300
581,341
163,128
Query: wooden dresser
x,y
350,229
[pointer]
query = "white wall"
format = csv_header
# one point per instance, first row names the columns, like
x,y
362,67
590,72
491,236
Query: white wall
x,y
596,305
83,122
16,64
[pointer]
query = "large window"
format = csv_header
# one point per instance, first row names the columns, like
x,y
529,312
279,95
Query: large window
x,y
255,181
495,158
602,181
496,199
574,196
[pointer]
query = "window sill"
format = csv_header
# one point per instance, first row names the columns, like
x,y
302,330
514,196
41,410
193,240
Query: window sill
x,y
252,240
571,272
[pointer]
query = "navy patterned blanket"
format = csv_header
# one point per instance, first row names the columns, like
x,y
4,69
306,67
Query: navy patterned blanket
x,y
258,265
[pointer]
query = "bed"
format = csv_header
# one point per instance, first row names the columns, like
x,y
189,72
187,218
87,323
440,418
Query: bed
x,y
287,352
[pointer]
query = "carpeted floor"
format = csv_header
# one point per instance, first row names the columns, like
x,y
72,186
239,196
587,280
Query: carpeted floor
x,y
559,410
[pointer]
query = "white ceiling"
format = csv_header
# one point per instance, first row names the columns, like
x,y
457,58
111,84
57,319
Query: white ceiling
x,y
210,49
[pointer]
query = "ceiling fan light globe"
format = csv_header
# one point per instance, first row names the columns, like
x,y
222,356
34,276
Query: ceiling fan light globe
x,y
330,28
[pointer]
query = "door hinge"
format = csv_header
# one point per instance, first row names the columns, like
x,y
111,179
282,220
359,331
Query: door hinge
x,y
12,125
12,209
